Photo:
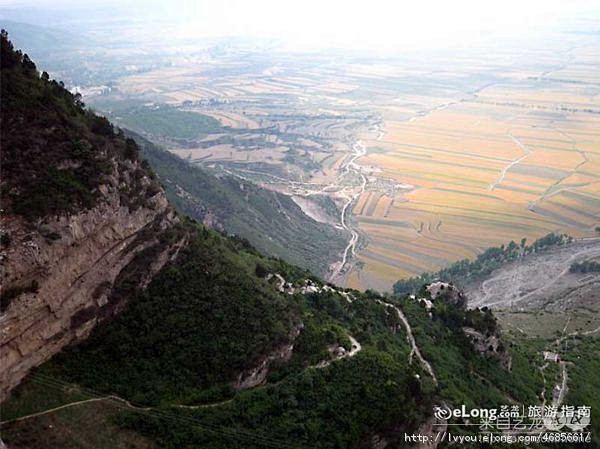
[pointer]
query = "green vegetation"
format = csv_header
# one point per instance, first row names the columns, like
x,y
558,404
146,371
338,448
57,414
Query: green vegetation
x,y
35,396
579,348
201,321
584,383
50,169
333,407
589,266
445,345
167,121
271,222
467,270
97,427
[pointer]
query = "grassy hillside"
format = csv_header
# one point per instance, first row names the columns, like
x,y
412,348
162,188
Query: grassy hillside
x,y
170,122
341,369
272,222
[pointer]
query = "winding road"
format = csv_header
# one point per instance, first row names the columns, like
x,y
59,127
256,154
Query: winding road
x,y
359,150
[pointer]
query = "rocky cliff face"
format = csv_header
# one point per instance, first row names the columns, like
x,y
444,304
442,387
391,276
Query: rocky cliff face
x,y
59,274
257,375
84,221
489,345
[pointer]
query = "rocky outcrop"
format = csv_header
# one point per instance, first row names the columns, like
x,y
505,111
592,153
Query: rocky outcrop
x,y
489,345
447,292
59,274
198,210
257,375
396,436
431,429
337,352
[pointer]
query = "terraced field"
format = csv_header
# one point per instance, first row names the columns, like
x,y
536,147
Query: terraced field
x,y
481,175
462,150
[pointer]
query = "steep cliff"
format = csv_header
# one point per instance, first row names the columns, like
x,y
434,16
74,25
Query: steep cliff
x,y
78,211
74,274
189,338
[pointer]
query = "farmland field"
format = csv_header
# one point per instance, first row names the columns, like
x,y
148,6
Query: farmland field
x,y
428,157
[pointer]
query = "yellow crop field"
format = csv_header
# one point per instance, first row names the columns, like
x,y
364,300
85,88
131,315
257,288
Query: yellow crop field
x,y
382,207
233,120
432,162
360,204
482,172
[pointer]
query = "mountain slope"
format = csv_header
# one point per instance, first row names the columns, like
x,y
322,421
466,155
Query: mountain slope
x,y
79,209
182,337
272,222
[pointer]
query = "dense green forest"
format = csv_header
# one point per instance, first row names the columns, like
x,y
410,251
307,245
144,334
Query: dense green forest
x,y
200,322
37,114
171,359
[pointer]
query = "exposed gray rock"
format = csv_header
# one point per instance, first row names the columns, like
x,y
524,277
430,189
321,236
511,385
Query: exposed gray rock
x,y
74,259
489,345
257,375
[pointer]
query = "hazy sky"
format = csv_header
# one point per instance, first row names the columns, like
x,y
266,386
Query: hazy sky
x,y
310,23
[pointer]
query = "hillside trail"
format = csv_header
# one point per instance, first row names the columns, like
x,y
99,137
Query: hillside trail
x,y
563,386
158,412
564,373
556,402
415,351
55,383
355,348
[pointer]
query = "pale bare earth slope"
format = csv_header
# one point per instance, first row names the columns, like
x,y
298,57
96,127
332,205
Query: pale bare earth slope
x,y
542,281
